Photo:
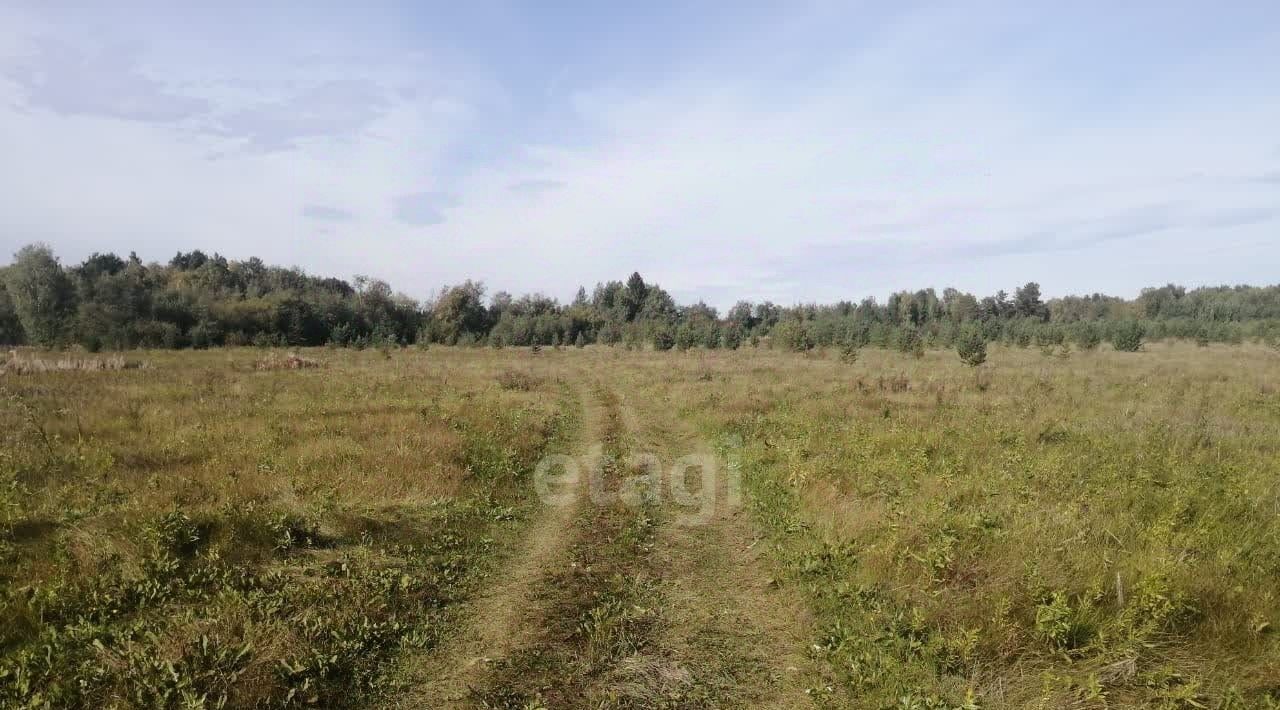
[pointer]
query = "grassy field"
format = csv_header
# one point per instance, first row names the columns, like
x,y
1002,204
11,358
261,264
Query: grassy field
x,y
363,529
202,532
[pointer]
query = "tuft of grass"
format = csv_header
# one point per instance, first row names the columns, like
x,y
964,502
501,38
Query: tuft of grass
x,y
518,380
19,364
289,361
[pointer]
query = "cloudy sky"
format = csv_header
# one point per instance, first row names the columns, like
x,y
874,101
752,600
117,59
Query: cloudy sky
x,y
786,150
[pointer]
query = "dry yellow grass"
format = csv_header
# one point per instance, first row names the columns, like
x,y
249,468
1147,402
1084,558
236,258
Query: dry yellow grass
x,y
18,363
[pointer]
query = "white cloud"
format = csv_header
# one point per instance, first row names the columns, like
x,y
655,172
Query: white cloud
x,y
941,148
713,190
106,83
247,167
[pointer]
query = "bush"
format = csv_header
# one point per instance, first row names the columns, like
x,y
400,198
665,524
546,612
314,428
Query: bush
x,y
1126,336
204,335
732,337
663,339
343,334
686,336
792,335
1088,337
1047,335
971,348
909,341
159,334
711,337
611,334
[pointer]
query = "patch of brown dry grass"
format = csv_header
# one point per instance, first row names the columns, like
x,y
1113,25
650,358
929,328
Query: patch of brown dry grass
x,y
20,364
286,361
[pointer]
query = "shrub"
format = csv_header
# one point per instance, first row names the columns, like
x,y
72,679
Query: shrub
x,y
663,339
1059,624
611,334
1126,336
909,341
265,340
732,337
791,334
686,336
1088,337
204,335
971,348
342,334
1046,335
710,336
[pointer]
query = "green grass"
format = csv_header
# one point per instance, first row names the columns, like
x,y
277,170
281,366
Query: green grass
x,y
200,534
1051,530
1094,531
603,604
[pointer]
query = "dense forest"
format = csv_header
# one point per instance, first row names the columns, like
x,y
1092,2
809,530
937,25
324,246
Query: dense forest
x,y
200,301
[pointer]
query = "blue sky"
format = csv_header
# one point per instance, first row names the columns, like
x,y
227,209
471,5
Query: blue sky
x,y
783,151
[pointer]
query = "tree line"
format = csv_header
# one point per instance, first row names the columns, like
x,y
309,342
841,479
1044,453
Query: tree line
x,y
198,300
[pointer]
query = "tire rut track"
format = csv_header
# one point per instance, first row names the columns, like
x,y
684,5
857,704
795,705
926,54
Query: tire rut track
x,y
616,604
735,637
601,607
505,616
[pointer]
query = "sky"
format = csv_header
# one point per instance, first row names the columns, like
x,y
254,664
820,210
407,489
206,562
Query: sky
x,y
787,151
